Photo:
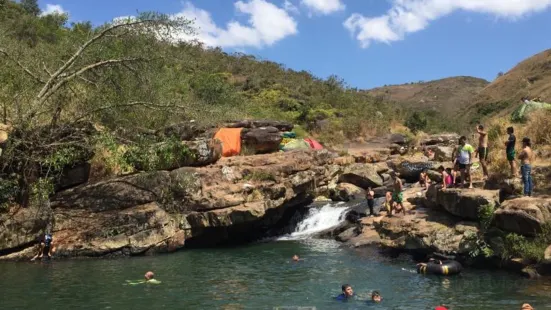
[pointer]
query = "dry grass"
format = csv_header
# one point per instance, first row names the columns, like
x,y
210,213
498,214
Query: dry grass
x,y
537,128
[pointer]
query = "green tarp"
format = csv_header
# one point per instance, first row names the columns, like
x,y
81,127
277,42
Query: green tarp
x,y
519,115
295,144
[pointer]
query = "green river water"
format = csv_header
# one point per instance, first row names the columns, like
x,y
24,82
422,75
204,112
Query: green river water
x,y
259,276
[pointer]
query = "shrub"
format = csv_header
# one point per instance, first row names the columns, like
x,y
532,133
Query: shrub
x,y
166,155
532,249
416,122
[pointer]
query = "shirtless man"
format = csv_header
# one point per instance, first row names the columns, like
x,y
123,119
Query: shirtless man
x,y
526,157
397,195
482,150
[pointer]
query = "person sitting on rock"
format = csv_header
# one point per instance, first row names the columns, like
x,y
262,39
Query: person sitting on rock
x,y
424,179
45,247
347,292
447,179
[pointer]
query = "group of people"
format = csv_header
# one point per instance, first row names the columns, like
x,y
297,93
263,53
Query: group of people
x,y
348,293
462,159
463,154
394,201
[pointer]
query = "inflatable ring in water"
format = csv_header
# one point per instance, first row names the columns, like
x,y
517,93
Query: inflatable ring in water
x,y
447,268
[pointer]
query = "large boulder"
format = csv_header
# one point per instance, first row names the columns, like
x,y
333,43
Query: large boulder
x,y
397,138
523,216
346,192
410,168
262,140
184,131
281,126
204,152
132,231
22,226
362,175
428,231
442,153
464,203
441,139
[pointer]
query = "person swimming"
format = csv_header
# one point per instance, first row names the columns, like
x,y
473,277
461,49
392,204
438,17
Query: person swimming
x,y
296,258
376,297
149,279
347,292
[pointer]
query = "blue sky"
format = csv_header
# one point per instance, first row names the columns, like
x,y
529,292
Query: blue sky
x,y
368,43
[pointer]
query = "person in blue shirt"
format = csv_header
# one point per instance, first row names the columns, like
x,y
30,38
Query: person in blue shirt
x,y
347,292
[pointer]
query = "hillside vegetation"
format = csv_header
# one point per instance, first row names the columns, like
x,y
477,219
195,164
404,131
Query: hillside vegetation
x,y
439,101
132,77
530,78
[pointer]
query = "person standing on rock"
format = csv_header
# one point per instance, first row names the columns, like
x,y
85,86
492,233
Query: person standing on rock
x,y
526,158
370,196
482,150
510,150
465,160
397,195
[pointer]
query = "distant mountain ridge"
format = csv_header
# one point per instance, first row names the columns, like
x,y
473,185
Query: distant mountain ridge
x,y
448,95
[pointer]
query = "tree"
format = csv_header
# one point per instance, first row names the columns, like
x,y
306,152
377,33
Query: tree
x,y
416,122
111,70
31,7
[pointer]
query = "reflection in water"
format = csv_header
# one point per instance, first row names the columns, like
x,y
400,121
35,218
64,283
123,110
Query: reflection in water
x,y
260,276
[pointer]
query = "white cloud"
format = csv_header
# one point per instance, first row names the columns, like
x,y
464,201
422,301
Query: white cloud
x,y
267,24
324,7
290,7
53,9
408,16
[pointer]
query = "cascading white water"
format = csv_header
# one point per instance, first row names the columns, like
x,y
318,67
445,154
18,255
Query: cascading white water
x,y
318,220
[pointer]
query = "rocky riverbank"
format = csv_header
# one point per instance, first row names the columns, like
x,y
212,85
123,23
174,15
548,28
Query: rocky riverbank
x,y
243,198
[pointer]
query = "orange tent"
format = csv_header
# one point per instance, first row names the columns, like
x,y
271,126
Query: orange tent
x,y
231,141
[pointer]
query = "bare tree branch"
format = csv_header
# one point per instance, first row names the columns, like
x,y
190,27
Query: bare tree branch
x,y
38,79
69,76
78,53
46,69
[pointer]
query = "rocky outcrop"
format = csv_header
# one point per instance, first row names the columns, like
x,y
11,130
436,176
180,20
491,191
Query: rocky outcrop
x,y
523,216
442,153
346,192
262,140
427,231
463,203
362,175
410,167
239,198
441,139
281,126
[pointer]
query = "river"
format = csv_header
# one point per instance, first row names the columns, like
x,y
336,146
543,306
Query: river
x,y
261,276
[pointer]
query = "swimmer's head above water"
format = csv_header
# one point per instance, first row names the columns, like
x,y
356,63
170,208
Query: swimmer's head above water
x,y
296,258
376,296
347,290
149,275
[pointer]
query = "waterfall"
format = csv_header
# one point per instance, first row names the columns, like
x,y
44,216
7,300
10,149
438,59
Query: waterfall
x,y
318,220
